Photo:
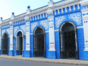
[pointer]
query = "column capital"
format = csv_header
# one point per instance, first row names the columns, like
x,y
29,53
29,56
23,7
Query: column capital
x,y
84,2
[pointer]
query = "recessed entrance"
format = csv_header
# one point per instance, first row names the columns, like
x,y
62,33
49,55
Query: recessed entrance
x,y
5,44
39,42
68,41
20,42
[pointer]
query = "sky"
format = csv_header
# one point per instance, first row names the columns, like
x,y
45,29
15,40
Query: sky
x,y
19,6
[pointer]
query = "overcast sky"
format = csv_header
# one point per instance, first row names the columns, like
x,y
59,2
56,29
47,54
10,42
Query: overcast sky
x,y
19,6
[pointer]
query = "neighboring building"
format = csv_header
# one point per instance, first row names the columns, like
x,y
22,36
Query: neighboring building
x,y
57,30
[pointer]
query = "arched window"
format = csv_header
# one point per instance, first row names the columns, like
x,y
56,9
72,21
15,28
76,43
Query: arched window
x,y
68,40
5,44
20,42
39,42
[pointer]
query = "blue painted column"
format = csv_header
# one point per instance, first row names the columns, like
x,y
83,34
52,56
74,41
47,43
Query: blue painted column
x,y
14,46
83,53
27,49
0,41
11,36
51,53
11,42
0,35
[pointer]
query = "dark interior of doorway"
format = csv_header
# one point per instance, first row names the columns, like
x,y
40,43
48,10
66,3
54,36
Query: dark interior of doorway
x,y
69,44
20,45
5,44
68,36
39,46
20,42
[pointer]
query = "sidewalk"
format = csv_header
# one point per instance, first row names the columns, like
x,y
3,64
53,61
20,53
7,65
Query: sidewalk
x,y
61,61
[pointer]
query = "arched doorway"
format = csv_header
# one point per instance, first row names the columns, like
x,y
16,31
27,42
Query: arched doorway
x,y
20,42
68,40
5,44
39,42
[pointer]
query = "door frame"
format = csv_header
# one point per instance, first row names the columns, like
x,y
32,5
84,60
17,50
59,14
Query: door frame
x,y
61,40
7,45
34,40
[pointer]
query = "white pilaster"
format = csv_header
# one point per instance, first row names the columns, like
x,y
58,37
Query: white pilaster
x,y
51,26
51,34
84,3
0,38
11,37
27,35
28,28
11,31
0,31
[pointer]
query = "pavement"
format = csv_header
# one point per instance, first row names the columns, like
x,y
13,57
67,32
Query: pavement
x,y
59,61
12,62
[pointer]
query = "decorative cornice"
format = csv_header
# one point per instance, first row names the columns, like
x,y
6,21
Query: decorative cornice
x,y
42,10
66,5
83,2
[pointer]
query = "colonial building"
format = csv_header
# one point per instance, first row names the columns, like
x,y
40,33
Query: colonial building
x,y
57,30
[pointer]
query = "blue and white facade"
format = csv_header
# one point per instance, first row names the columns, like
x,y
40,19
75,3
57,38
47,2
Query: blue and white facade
x,y
51,18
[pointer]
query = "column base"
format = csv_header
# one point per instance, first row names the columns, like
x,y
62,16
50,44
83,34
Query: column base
x,y
81,55
31,54
86,55
22,53
58,54
51,54
15,53
10,53
26,53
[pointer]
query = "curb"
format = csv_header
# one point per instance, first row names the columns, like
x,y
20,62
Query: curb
x,y
58,61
